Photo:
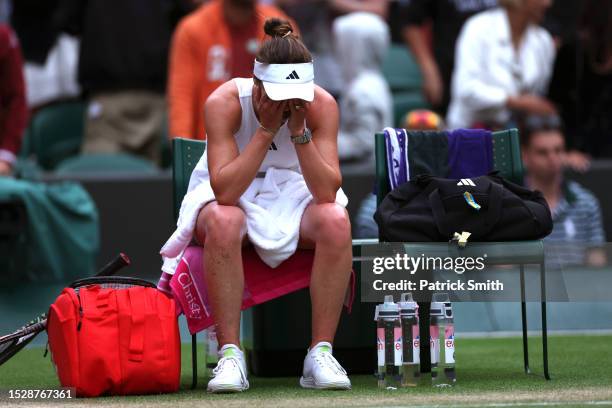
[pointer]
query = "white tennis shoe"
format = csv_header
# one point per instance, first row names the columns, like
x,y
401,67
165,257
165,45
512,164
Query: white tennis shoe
x,y
322,371
230,373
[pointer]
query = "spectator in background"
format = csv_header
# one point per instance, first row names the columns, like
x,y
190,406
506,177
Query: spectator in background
x,y
562,22
582,84
13,110
353,6
51,57
437,60
577,237
366,107
122,70
504,62
5,11
215,43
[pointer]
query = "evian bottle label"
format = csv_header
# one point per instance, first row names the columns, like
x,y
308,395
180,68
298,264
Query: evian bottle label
x,y
449,344
397,345
434,343
416,345
380,345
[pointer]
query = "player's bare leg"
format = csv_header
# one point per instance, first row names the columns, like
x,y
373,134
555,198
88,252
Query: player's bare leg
x,y
222,229
328,229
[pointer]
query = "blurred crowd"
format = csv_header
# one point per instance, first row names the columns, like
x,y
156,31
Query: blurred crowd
x,y
144,68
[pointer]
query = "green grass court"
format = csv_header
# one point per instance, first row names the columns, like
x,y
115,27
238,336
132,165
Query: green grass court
x,y
489,373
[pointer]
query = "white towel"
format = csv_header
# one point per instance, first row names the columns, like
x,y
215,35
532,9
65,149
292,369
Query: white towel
x,y
273,207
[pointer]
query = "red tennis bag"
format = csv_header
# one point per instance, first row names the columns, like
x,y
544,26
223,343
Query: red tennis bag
x,y
117,340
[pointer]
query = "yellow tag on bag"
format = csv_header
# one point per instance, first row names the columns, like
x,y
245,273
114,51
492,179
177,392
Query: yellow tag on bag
x,y
469,198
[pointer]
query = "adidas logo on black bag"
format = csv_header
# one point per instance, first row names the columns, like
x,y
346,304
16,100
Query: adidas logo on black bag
x,y
466,182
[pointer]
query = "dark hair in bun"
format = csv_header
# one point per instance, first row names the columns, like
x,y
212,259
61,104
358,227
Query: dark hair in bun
x,y
284,46
275,27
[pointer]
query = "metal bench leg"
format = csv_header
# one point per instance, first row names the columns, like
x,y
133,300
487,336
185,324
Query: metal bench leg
x,y
194,361
544,324
524,321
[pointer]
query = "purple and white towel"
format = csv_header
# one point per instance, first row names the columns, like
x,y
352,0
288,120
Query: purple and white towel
x,y
469,153
396,143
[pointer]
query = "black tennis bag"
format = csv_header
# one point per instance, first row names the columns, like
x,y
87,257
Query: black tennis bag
x,y
432,209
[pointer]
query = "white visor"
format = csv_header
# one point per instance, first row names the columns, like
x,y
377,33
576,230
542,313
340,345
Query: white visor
x,y
286,81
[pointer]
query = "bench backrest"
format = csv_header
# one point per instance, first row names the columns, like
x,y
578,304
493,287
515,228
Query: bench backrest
x,y
185,156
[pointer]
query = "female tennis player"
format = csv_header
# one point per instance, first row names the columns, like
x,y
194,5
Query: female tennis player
x,y
270,178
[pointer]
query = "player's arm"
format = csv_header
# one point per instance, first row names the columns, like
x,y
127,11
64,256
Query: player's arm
x,y
433,87
413,15
231,172
319,158
596,255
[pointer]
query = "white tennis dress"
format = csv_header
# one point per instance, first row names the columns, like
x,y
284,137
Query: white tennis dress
x,y
274,202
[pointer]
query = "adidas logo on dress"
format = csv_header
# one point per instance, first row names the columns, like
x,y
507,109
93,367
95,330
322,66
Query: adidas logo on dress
x,y
293,75
466,182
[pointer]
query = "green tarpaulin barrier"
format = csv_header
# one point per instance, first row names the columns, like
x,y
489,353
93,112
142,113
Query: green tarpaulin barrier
x,y
60,237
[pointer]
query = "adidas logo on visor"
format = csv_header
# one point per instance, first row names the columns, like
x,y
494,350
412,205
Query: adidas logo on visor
x,y
293,75
466,182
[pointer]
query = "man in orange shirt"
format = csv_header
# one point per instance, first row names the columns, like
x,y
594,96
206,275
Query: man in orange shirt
x,y
211,45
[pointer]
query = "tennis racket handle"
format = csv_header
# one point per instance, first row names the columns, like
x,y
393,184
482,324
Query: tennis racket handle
x,y
115,265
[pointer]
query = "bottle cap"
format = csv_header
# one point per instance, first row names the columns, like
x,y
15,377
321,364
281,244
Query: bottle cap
x,y
408,307
440,297
387,310
441,306
436,309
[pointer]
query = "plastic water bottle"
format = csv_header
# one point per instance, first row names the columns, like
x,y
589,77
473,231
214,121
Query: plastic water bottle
x,y
442,341
411,358
389,344
211,348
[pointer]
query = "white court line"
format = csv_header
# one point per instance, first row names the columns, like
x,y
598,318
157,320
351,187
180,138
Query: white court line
x,y
518,333
510,404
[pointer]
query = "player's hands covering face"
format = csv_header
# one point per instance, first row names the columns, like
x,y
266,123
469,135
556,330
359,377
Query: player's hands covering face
x,y
270,112
297,119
